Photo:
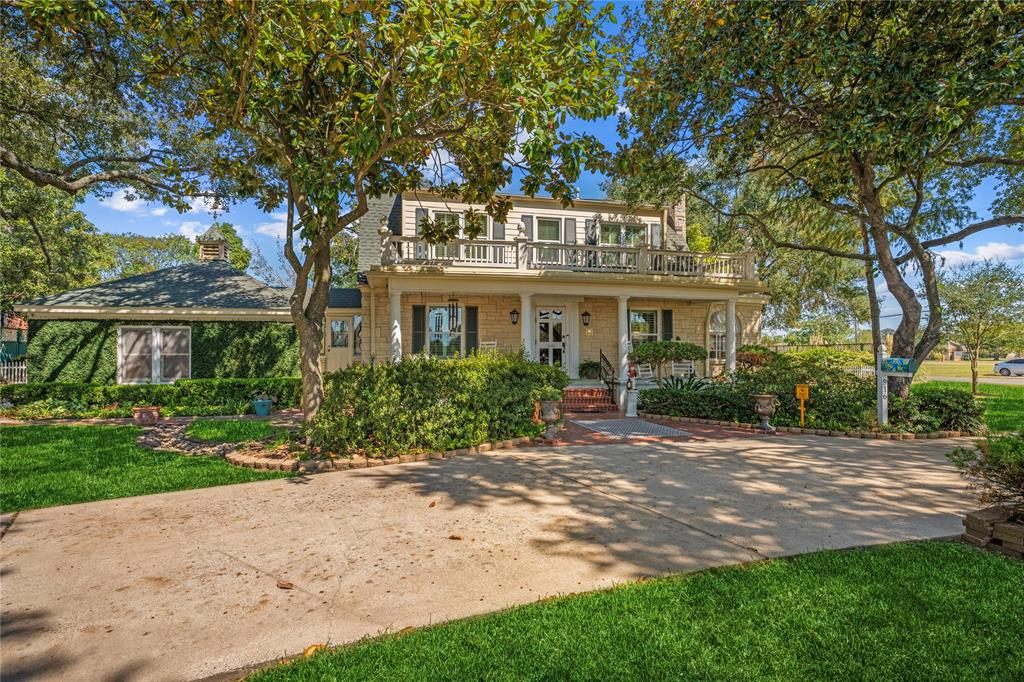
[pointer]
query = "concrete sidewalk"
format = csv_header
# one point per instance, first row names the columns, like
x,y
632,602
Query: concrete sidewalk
x,y
184,585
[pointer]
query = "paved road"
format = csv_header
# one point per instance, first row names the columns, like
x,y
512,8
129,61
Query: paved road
x,y
185,585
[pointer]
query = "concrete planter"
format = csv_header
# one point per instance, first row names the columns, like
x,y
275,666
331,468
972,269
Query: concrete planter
x,y
146,415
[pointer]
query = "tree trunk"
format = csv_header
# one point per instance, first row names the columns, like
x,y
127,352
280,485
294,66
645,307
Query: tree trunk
x,y
974,373
869,277
308,316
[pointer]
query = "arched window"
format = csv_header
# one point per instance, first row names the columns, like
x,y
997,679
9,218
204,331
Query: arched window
x,y
716,335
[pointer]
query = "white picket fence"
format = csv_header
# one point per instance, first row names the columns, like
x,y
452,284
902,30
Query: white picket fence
x,y
14,372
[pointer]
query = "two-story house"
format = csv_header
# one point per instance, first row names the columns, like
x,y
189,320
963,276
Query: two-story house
x,y
565,285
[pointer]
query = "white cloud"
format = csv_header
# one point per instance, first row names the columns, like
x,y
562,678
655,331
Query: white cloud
x,y
622,109
274,228
201,205
997,251
159,211
191,228
120,202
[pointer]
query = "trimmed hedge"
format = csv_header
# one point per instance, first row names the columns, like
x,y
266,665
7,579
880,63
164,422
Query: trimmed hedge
x,y
184,397
427,404
838,400
85,351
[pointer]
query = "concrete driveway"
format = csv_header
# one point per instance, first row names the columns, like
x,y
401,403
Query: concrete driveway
x,y
185,585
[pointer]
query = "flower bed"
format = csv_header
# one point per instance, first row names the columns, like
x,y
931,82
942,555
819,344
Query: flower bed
x,y
425,405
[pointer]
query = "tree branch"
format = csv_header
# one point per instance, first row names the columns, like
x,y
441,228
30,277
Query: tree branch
x,y
993,160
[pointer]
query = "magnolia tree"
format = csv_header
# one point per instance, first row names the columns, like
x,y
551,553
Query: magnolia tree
x,y
983,306
322,105
887,116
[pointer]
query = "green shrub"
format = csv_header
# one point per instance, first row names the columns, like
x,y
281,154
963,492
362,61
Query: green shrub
x,y
838,400
427,404
995,468
952,409
184,397
660,352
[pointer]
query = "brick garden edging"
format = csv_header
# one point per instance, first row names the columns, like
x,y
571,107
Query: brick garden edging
x,y
875,435
991,528
253,461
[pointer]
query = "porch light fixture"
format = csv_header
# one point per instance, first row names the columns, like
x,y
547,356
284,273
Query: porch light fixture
x,y
514,316
586,318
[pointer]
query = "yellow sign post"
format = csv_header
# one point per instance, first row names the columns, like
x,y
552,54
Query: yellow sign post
x,y
803,392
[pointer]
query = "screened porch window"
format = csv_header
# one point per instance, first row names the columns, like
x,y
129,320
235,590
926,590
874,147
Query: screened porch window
x,y
153,355
444,332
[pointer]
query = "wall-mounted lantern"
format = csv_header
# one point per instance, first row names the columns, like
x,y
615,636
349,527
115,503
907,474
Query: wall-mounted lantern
x,y
586,318
514,316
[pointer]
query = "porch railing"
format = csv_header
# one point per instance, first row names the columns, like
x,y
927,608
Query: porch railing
x,y
520,254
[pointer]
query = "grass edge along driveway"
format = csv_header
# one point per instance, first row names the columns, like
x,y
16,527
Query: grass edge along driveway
x,y
919,610
44,466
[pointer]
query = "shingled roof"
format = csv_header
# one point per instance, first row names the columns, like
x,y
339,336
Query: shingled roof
x,y
211,284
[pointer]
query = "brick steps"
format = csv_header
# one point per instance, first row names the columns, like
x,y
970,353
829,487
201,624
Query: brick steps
x,y
587,400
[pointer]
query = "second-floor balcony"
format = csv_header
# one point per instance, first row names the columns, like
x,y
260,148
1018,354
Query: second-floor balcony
x,y
523,255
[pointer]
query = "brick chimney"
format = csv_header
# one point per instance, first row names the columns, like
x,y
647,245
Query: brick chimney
x,y
212,245
676,237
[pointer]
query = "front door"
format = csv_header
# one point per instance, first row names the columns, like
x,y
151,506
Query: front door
x,y
340,340
550,336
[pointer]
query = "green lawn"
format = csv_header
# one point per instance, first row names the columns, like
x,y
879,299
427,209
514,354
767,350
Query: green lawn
x,y
1004,404
914,611
954,368
234,430
42,466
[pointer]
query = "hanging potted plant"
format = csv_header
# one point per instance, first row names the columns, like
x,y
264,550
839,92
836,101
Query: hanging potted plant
x,y
262,403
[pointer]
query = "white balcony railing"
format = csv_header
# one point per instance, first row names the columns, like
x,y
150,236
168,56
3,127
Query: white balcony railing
x,y
520,254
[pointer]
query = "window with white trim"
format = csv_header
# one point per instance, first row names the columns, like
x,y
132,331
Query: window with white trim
x,y
444,331
716,335
153,355
643,326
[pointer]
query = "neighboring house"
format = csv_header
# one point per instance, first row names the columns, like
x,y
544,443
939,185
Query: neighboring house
x,y
13,336
564,284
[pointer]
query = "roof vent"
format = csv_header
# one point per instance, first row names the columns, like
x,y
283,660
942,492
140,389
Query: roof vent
x,y
212,245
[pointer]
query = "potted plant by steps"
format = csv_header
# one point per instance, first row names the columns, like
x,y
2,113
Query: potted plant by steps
x,y
765,405
146,415
262,403
994,467
550,409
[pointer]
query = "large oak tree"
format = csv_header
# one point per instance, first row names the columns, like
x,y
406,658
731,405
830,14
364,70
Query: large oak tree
x,y
322,105
887,114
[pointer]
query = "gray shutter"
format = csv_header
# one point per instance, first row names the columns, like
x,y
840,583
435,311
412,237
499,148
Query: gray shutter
x,y
419,327
472,329
666,325
569,230
421,213
655,236
527,221
591,228
498,230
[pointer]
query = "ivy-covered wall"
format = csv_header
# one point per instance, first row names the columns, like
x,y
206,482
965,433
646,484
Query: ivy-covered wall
x,y
85,351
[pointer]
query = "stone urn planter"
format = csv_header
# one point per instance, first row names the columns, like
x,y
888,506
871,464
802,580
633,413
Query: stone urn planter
x,y
146,415
550,413
765,405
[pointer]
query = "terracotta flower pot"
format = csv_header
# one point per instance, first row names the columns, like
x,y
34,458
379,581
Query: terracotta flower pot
x,y
146,415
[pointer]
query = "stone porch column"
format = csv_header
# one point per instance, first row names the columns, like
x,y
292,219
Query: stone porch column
x,y
526,324
396,326
730,335
623,349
